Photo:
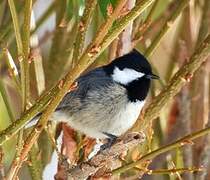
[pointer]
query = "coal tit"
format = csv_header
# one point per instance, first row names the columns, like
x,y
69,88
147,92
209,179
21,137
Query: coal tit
x,y
108,99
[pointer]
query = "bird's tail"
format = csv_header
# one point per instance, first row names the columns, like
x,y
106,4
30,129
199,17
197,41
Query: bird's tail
x,y
56,117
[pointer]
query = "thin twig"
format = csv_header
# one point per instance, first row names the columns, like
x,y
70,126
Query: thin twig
x,y
23,50
31,139
25,83
174,170
166,27
204,75
139,34
83,27
4,96
2,168
40,104
47,13
204,157
56,62
179,143
35,56
124,42
16,27
106,157
85,61
182,77
108,23
35,165
13,72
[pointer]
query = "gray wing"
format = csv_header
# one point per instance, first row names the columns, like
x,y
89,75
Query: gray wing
x,y
91,81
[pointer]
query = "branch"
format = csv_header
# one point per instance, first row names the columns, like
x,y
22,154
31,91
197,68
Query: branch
x,y
2,168
107,157
40,104
13,71
24,63
166,27
16,27
179,143
124,42
86,59
94,51
108,23
83,27
183,76
174,171
36,57
47,13
142,28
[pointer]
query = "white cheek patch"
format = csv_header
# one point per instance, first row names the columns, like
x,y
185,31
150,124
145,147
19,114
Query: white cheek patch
x,y
126,75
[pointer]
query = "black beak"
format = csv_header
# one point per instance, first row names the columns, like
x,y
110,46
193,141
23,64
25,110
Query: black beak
x,y
152,76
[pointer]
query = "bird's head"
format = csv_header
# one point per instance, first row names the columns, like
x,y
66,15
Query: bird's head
x,y
130,67
134,72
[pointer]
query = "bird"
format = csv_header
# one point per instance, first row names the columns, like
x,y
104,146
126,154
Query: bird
x,y
108,99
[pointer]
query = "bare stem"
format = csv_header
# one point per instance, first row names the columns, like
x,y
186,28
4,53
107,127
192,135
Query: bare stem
x,y
147,23
12,68
83,27
6,101
40,104
108,23
182,77
49,11
166,27
26,48
179,143
16,27
174,171
85,61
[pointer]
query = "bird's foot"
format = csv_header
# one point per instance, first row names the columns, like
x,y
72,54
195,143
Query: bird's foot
x,y
111,140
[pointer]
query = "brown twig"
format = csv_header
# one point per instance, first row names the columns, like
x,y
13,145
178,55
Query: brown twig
x,y
204,157
2,168
83,27
124,43
142,28
174,170
166,27
108,24
87,58
148,157
106,157
204,76
182,77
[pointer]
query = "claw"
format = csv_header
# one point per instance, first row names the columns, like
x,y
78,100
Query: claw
x,y
111,140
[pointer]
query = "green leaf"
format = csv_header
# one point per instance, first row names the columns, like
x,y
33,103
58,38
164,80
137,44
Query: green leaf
x,y
103,6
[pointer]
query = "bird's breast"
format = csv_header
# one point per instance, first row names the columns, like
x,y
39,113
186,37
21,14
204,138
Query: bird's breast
x,y
126,117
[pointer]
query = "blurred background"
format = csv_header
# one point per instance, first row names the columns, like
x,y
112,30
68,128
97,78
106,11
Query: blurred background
x,y
167,32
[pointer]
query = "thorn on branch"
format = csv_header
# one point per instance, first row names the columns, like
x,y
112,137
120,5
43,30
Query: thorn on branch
x,y
187,142
109,9
61,83
63,23
189,77
73,87
81,27
94,50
